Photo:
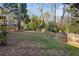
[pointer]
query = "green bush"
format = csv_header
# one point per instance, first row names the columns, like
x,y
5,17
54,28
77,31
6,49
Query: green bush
x,y
3,37
74,27
3,28
31,25
23,24
51,27
35,24
3,33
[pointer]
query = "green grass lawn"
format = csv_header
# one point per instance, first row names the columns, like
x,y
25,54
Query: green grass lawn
x,y
71,50
42,40
47,42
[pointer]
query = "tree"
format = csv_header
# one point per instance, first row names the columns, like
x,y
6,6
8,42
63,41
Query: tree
x,y
46,17
3,15
55,13
24,15
40,7
19,10
41,10
19,17
53,9
74,11
64,7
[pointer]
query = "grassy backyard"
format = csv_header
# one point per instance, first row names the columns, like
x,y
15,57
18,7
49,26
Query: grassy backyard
x,y
39,29
35,43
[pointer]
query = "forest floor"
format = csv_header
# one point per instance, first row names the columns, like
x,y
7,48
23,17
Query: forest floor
x,y
35,44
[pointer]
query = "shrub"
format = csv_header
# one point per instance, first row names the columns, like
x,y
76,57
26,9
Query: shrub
x,y
3,33
35,24
3,37
74,27
3,28
51,27
23,24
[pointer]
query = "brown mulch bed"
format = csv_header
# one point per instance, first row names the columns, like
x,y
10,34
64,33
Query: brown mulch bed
x,y
16,47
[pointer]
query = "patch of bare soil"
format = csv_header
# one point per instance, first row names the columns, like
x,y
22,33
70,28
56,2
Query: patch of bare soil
x,y
16,47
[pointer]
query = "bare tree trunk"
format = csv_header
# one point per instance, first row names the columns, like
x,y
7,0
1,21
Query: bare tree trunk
x,y
40,7
41,10
55,14
62,15
54,11
19,17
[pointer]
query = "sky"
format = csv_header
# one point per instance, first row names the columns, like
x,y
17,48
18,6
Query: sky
x,y
33,8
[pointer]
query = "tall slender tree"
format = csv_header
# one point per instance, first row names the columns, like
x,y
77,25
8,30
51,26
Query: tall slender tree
x,y
40,7
19,17
64,6
55,13
41,10
53,9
